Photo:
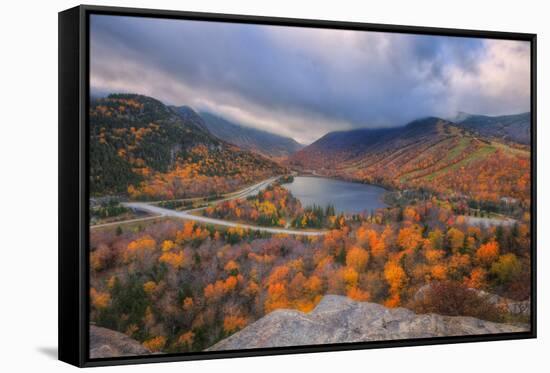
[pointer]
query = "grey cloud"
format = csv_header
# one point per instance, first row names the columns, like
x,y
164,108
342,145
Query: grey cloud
x,y
303,82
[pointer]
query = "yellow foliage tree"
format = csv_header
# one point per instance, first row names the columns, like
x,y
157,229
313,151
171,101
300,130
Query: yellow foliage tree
x,y
409,238
176,260
99,300
456,239
167,245
395,276
357,258
143,243
139,247
149,287
350,276
155,344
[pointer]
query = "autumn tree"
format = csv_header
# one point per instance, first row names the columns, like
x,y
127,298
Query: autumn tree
x,y
455,238
357,294
488,253
101,258
506,268
477,278
439,272
186,339
436,239
150,287
409,238
233,323
397,279
350,276
357,258
276,297
99,300
175,259
167,245
155,344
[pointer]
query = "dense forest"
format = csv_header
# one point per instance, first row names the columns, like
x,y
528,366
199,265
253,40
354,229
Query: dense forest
x,y
178,286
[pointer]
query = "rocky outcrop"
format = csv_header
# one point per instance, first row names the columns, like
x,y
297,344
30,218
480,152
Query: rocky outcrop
x,y
511,306
108,343
338,319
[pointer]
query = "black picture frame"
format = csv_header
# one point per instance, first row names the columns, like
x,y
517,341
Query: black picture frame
x,y
74,189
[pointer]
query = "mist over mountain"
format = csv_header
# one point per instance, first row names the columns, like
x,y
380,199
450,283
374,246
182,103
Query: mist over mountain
x,y
256,140
291,77
336,147
190,117
516,127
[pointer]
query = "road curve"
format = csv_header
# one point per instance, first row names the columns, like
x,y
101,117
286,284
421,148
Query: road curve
x,y
203,219
249,191
124,221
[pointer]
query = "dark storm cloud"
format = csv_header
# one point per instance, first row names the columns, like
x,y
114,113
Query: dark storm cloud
x,y
306,82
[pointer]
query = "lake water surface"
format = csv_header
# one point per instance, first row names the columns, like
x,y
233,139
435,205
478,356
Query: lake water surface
x,y
346,197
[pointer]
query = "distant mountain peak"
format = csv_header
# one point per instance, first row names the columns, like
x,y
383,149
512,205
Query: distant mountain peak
x,y
425,122
190,115
460,117
513,127
249,138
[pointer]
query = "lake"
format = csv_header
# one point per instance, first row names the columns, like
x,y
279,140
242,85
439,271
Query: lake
x,y
346,197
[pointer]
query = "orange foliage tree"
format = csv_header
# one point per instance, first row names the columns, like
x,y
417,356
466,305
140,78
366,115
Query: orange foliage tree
x,y
488,253
357,258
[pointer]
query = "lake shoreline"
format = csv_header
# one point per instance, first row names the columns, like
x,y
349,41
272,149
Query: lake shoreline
x,y
347,197
383,186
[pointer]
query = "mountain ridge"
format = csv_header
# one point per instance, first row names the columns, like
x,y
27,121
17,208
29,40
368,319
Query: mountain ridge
x,y
253,139
137,142
426,153
513,127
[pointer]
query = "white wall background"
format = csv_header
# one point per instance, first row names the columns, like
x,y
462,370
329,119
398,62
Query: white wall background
x,y
28,184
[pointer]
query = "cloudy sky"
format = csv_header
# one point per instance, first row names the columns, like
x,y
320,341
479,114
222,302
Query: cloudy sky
x,y
303,82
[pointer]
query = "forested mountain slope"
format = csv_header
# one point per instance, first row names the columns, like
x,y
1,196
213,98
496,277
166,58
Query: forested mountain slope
x,y
515,128
143,148
263,142
431,153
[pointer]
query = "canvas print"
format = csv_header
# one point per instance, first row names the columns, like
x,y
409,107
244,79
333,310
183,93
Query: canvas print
x,y
256,186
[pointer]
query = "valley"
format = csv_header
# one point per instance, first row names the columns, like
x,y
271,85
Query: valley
x,y
232,229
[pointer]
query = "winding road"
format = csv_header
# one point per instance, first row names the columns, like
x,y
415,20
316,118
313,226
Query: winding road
x,y
164,212
250,191
203,219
